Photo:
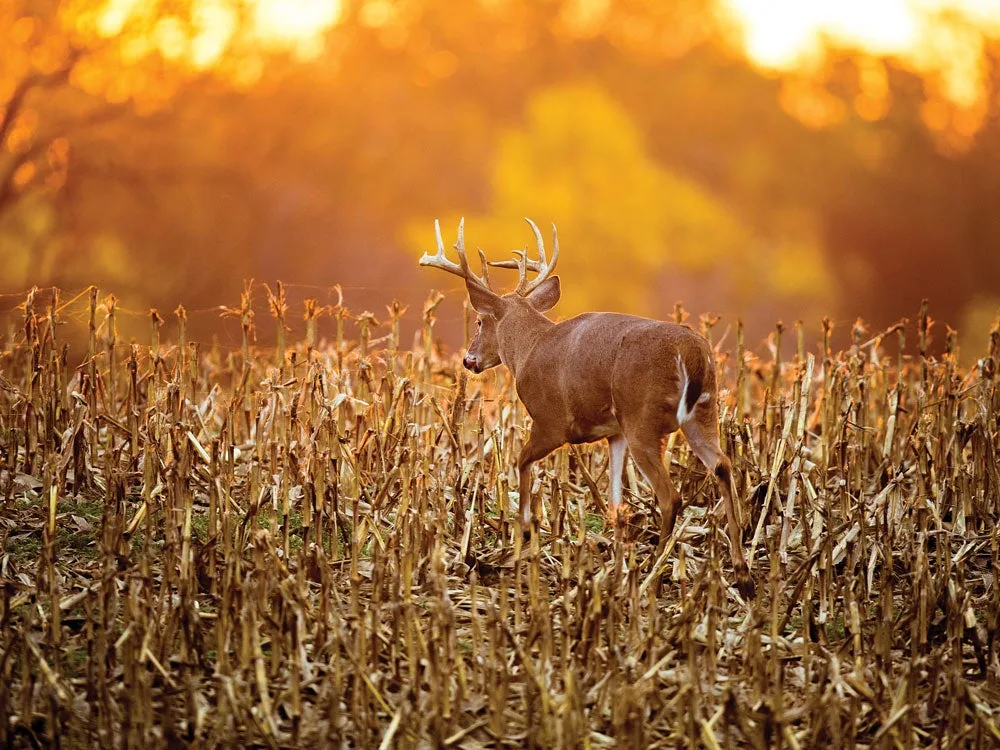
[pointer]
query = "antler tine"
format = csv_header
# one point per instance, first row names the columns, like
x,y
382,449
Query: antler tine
x,y
538,239
555,246
532,265
460,243
543,267
460,246
522,271
486,266
440,260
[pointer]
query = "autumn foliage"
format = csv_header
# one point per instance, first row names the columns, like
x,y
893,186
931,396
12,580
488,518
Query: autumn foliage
x,y
169,150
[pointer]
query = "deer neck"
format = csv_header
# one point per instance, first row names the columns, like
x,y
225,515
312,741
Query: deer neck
x,y
517,335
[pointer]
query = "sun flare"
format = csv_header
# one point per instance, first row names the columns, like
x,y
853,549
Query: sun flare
x,y
294,20
297,25
940,35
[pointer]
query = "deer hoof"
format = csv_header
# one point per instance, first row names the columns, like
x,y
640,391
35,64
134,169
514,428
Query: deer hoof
x,y
616,516
744,583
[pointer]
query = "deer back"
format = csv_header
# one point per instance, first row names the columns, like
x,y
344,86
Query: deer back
x,y
584,376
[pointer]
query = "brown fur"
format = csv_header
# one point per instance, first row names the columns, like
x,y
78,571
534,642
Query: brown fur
x,y
604,376
599,376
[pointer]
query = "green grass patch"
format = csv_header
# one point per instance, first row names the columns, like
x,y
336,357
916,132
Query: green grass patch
x,y
836,629
594,523
78,543
23,548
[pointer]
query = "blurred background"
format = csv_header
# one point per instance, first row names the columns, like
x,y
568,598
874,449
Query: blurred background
x,y
764,159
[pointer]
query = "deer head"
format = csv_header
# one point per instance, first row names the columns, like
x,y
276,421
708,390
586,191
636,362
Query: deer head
x,y
501,318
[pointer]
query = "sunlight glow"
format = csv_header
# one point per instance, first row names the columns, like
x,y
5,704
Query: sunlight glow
x,y
115,14
215,23
943,36
781,33
294,20
297,25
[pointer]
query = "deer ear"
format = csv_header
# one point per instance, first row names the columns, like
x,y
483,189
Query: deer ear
x,y
546,295
484,301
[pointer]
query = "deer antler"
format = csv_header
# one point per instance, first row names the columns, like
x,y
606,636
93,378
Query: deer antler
x,y
543,267
462,267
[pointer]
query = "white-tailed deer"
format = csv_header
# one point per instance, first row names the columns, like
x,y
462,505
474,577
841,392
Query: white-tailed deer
x,y
631,381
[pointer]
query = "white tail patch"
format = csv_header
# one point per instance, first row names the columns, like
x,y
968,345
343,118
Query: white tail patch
x,y
683,415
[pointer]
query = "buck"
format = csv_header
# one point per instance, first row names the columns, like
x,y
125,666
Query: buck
x,y
599,376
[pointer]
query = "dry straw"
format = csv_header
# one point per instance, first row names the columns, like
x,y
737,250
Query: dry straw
x,y
313,546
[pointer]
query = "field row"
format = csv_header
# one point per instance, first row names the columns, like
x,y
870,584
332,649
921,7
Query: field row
x,y
316,546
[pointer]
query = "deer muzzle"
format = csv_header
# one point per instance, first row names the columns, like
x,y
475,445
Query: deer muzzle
x,y
472,362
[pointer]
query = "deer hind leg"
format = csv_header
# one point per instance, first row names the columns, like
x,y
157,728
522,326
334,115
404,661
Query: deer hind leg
x,y
702,434
648,456
617,452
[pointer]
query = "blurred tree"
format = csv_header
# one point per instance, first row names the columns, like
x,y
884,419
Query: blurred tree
x,y
82,82
905,215
168,150
634,233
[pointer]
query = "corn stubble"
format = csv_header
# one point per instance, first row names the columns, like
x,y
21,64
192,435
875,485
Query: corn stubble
x,y
315,546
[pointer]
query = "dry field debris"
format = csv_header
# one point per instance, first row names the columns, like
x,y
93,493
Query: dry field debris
x,y
313,545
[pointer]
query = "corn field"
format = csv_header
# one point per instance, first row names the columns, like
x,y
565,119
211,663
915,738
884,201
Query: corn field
x,y
314,545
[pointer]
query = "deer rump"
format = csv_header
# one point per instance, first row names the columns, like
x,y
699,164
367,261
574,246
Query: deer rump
x,y
604,374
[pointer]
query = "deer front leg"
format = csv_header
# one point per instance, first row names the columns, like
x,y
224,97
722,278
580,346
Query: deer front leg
x,y
539,445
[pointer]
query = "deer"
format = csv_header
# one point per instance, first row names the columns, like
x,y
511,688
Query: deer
x,y
629,380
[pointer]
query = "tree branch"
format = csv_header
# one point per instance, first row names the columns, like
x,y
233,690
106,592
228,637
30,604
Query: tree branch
x,y
16,102
101,116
